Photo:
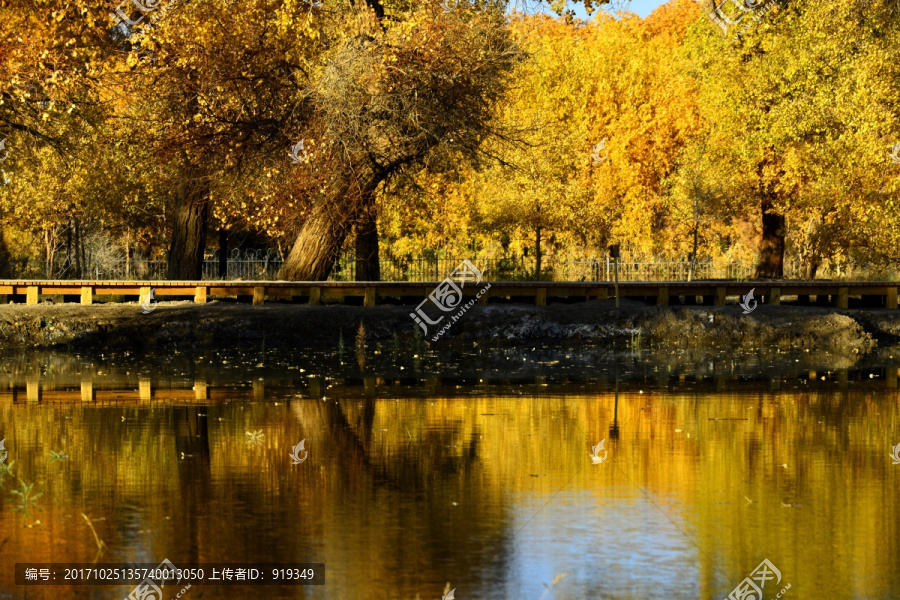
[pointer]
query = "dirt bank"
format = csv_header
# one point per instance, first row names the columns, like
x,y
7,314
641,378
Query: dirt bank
x,y
220,324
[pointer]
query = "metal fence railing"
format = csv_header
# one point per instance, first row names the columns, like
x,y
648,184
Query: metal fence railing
x,y
524,269
262,265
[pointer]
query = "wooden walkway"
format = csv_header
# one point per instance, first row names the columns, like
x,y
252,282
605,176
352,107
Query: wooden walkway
x,y
714,292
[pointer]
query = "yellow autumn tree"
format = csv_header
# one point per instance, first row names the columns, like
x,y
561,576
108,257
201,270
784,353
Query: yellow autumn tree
x,y
801,111
601,111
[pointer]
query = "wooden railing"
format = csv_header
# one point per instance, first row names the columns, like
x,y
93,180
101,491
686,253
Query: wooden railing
x,y
713,292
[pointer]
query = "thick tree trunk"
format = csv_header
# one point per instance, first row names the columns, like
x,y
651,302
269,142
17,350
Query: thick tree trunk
x,y
318,244
368,265
538,255
323,233
771,246
189,230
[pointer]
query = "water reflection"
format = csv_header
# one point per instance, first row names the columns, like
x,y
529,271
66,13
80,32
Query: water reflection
x,y
487,486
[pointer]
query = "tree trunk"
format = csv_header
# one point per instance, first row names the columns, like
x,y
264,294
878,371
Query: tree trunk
x,y
67,263
696,240
79,265
810,257
223,253
128,256
771,246
84,265
189,230
323,233
318,244
6,265
51,235
368,265
537,253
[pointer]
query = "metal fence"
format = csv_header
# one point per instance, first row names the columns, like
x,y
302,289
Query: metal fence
x,y
241,264
525,269
600,269
264,265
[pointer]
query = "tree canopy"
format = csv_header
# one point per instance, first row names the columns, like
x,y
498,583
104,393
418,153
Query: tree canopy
x,y
436,128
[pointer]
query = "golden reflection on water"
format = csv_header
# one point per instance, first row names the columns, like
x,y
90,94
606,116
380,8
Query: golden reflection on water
x,y
496,495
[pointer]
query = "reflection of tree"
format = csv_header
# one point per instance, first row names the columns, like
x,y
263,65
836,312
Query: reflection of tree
x,y
422,458
614,428
345,438
191,431
192,434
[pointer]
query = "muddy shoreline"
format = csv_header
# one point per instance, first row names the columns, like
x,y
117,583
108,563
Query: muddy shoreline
x,y
123,326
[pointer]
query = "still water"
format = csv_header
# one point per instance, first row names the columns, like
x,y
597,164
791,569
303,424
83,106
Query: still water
x,y
413,482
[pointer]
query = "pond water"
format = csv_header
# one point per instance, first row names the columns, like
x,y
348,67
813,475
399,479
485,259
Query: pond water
x,y
416,479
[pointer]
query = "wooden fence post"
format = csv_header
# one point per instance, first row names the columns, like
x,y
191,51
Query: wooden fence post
x,y
259,295
720,296
841,300
87,388
662,297
33,387
369,299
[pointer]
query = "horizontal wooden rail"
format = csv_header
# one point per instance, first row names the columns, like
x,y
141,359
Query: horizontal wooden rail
x,y
713,292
